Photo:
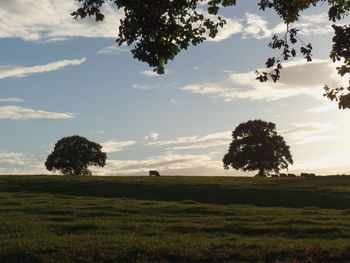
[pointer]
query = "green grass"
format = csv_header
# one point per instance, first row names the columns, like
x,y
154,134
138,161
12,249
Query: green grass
x,y
174,219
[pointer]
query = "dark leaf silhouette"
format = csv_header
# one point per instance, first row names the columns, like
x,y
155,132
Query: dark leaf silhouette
x,y
72,156
158,30
257,146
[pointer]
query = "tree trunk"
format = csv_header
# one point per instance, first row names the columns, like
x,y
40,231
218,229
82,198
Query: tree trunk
x,y
261,172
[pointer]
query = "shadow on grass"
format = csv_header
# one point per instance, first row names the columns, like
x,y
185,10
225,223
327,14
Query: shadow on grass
x,y
215,254
263,195
73,228
20,257
283,231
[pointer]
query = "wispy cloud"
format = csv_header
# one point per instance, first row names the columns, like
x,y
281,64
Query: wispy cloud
x,y
11,100
245,86
311,25
203,145
195,142
312,132
116,146
7,71
21,113
19,163
116,50
327,106
145,86
13,158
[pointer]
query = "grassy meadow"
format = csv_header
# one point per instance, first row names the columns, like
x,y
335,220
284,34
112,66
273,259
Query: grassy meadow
x,y
174,219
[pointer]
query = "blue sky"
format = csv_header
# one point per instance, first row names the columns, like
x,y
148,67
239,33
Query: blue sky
x,y
61,77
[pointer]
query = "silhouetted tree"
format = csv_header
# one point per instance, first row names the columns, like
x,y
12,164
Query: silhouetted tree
x,y
257,146
159,29
72,156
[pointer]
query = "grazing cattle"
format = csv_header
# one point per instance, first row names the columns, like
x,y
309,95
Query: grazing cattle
x,y
292,175
283,175
307,175
154,173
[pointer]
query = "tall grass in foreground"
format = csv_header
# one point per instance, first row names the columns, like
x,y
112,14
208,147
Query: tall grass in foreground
x,y
172,219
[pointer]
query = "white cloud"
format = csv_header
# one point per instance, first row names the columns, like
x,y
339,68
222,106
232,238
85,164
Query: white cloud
x,y
47,20
22,164
50,21
150,73
116,50
145,86
195,142
13,158
7,71
20,113
231,28
257,27
11,100
116,146
309,25
203,145
315,19
245,86
152,136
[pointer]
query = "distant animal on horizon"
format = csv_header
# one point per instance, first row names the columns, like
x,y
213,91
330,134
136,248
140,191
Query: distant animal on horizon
x,y
153,173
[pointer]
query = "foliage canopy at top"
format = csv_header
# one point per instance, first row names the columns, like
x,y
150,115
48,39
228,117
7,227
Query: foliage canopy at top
x,y
158,30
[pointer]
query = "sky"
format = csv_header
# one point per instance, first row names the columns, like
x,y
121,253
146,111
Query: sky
x,y
61,77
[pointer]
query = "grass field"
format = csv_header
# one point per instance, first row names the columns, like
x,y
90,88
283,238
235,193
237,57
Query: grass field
x,y
174,219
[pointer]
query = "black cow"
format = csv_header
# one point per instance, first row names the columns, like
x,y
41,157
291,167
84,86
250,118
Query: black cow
x,y
154,173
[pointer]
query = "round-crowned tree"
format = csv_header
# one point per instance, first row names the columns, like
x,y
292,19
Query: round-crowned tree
x,y
257,146
73,155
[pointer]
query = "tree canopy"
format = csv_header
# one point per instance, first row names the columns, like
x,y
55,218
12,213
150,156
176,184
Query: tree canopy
x,y
72,156
158,30
257,146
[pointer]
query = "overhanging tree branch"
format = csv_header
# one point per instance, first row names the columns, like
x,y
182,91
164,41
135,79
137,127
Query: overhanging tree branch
x,y
158,30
